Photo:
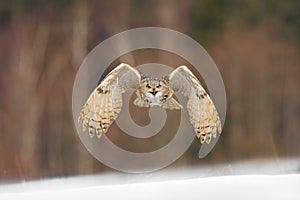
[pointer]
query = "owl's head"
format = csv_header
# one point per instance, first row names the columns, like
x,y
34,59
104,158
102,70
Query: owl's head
x,y
153,86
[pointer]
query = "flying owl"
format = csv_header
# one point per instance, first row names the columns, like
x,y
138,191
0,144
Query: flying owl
x,y
105,102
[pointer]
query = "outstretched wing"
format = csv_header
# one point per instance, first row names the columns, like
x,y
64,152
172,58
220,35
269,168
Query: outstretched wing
x,y
105,102
202,111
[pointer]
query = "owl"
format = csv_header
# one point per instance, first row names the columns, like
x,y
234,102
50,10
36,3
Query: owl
x,y
105,102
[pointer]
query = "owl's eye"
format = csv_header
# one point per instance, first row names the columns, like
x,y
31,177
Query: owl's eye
x,y
148,86
158,86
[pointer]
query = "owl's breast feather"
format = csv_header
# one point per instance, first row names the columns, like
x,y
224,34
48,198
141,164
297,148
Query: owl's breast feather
x,y
154,100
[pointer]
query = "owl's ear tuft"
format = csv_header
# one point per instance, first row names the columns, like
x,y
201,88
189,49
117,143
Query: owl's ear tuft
x,y
166,79
143,76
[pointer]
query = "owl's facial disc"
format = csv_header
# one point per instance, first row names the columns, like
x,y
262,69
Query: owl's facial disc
x,y
153,87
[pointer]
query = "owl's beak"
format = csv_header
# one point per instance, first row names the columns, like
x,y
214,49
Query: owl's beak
x,y
153,92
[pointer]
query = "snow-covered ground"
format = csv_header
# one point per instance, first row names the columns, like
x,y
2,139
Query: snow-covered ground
x,y
248,180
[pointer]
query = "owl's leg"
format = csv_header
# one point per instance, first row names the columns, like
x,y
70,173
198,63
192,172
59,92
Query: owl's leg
x,y
171,104
140,102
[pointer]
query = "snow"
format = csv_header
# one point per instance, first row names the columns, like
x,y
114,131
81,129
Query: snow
x,y
249,180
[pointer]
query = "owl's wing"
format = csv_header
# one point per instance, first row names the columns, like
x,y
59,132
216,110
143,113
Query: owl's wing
x,y
202,111
105,102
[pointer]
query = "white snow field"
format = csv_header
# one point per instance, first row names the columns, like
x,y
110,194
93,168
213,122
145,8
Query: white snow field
x,y
249,180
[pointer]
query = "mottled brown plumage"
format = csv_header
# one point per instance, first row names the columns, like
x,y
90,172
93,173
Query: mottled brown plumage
x,y
202,111
105,102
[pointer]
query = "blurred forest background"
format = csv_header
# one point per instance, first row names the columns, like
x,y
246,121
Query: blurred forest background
x,y
255,44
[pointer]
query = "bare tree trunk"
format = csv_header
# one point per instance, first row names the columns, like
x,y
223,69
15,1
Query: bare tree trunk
x,y
79,51
24,102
